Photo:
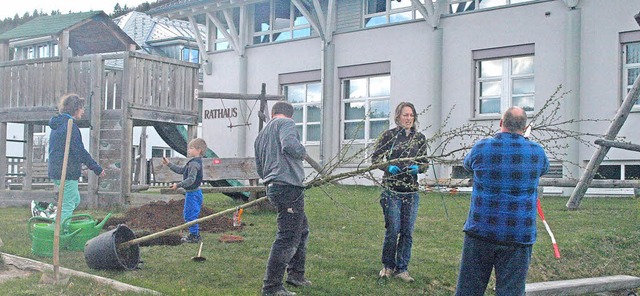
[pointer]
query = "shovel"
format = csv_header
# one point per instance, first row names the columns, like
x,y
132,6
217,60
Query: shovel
x,y
199,258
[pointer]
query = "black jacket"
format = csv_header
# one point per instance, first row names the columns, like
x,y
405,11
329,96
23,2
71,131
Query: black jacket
x,y
395,144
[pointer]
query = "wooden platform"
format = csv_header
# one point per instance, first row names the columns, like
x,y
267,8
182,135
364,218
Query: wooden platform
x,y
620,284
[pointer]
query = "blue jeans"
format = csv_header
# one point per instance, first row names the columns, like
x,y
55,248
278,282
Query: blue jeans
x,y
400,210
479,257
192,206
289,250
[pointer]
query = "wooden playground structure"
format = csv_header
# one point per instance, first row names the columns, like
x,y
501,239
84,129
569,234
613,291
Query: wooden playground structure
x,y
123,90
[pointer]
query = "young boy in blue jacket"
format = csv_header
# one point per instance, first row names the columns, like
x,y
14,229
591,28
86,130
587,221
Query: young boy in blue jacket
x,y
191,180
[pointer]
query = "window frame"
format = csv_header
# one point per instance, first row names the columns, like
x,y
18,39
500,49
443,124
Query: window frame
x,y
305,123
166,151
626,39
622,166
271,31
36,51
461,6
193,52
368,140
507,78
388,13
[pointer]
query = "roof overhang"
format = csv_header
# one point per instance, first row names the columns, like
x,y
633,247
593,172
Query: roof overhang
x,y
192,8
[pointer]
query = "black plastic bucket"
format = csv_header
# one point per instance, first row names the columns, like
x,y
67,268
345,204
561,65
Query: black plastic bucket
x,y
102,252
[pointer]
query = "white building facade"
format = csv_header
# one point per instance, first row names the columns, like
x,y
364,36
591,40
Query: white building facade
x,y
346,64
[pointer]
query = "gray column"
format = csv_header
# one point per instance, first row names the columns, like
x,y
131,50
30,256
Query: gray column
x,y
242,108
434,93
330,106
571,104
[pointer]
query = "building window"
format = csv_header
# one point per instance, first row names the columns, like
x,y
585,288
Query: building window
x,y
278,20
380,12
161,152
618,172
631,68
366,109
43,50
504,82
555,171
457,6
191,55
458,172
221,42
306,99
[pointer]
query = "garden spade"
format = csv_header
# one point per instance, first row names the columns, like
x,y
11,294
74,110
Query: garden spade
x,y
199,258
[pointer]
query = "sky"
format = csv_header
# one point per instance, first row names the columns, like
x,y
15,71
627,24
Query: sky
x,y
10,8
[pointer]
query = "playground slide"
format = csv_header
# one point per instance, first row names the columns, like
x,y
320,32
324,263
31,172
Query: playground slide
x,y
175,136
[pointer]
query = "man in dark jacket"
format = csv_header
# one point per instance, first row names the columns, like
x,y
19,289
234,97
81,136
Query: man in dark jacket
x,y
71,107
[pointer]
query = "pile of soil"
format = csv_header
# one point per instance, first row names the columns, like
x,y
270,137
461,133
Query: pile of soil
x,y
161,215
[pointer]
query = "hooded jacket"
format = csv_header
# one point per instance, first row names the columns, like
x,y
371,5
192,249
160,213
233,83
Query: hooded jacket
x,y
78,155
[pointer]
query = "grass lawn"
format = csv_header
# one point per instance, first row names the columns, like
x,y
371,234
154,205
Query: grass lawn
x,y
343,258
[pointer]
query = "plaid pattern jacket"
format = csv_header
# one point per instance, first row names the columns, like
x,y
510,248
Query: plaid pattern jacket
x,y
506,171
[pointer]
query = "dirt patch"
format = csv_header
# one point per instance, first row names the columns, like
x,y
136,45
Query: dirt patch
x,y
161,215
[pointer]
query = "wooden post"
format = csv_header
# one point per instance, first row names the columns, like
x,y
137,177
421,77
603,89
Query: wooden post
x,y
601,151
4,50
127,126
65,53
142,178
28,157
263,116
96,103
63,177
3,156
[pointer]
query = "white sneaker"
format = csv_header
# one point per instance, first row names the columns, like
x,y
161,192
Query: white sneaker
x,y
405,277
386,272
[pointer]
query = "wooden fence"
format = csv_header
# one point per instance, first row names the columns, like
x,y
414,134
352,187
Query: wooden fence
x,y
142,81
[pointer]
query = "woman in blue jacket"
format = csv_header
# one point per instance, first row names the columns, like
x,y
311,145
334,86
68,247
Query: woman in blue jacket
x,y
71,106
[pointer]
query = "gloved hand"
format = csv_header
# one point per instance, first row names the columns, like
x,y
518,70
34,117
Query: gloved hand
x,y
393,169
414,169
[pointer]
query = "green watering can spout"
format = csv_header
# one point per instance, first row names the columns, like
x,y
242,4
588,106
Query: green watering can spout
x,y
104,221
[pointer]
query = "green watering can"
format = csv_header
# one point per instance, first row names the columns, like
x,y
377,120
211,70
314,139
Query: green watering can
x,y
89,228
41,231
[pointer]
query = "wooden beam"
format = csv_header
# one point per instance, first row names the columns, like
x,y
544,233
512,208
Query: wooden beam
x,y
620,145
212,168
222,189
550,182
322,21
584,286
233,31
201,47
236,96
